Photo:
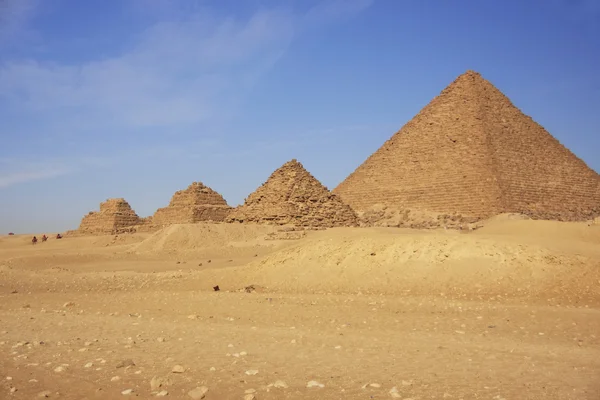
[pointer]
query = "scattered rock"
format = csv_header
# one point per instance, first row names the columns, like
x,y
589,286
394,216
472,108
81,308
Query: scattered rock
x,y
178,369
59,369
394,393
313,384
280,385
125,363
44,394
13,389
127,392
249,396
198,393
88,365
193,316
160,339
249,391
157,382
162,393
115,378
68,304
252,372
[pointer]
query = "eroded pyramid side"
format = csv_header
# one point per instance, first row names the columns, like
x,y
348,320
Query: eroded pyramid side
x,y
114,215
292,196
195,204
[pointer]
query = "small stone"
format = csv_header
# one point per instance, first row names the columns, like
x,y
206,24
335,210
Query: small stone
x,y
249,396
13,389
59,369
88,365
83,349
243,353
44,394
160,339
162,393
280,385
252,372
178,369
394,393
125,363
193,316
212,369
250,391
68,304
157,382
9,378
374,385
312,384
115,378
127,392
198,393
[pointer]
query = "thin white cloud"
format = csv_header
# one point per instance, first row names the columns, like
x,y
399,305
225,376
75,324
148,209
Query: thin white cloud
x,y
180,72
187,68
13,178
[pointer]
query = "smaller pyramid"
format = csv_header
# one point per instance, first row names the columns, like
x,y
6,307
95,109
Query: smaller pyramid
x,y
114,214
292,196
195,204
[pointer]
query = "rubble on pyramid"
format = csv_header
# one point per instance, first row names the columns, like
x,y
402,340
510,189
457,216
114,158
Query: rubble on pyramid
x,y
195,204
471,152
292,196
115,215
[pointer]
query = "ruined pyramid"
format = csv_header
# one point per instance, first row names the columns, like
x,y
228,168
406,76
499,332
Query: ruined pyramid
x,y
292,196
471,152
195,204
114,214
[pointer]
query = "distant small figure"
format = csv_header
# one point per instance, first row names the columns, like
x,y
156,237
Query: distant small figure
x,y
44,238
216,288
34,240
11,234
58,236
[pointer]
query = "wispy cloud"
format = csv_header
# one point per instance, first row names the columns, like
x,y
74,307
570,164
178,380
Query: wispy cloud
x,y
13,178
187,68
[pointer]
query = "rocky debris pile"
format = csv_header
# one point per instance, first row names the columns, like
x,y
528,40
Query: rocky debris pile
x,y
195,204
384,216
115,215
292,196
471,152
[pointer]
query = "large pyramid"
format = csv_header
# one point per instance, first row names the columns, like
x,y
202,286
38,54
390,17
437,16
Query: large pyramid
x,y
470,151
114,214
195,204
292,196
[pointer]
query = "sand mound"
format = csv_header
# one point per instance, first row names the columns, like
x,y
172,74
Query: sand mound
x,y
190,237
518,226
372,261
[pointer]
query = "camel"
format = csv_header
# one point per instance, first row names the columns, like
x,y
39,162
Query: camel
x,y
34,240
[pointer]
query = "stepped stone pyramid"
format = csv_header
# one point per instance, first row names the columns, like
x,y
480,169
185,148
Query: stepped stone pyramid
x,y
195,204
292,196
114,215
470,151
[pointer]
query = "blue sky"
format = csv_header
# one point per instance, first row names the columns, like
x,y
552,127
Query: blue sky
x,y
139,98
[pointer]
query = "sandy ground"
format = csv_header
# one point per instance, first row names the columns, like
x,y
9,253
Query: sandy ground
x,y
510,311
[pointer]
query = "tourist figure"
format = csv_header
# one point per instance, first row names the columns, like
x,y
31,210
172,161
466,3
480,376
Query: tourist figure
x,y
34,240
44,238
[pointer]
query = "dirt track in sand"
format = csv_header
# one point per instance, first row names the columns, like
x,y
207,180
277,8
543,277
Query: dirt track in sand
x,y
510,311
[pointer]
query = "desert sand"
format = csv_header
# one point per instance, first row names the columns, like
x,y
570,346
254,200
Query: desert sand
x,y
507,311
